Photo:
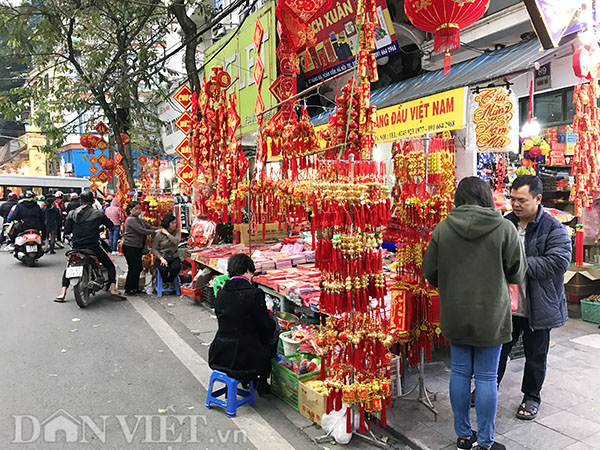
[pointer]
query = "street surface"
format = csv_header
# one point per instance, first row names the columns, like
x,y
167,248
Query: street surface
x,y
120,375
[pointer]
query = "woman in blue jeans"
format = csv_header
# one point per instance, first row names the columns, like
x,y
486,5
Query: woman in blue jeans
x,y
472,257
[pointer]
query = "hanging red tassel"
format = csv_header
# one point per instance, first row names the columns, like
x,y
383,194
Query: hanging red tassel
x,y
306,59
348,420
383,416
361,425
447,62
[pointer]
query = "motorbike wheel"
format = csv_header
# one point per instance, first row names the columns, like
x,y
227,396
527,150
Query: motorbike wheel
x,y
30,261
82,289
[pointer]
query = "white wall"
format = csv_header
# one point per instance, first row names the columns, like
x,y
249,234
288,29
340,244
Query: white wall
x,y
169,111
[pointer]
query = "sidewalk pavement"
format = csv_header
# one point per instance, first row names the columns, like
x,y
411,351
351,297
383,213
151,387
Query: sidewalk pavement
x,y
569,416
200,320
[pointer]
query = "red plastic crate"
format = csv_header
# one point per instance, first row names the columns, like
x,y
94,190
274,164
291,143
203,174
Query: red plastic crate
x,y
196,294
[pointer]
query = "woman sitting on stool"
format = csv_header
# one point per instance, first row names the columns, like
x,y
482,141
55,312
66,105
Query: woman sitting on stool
x,y
246,340
164,247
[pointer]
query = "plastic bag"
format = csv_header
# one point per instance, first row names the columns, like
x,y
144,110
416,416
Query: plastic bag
x,y
202,233
334,424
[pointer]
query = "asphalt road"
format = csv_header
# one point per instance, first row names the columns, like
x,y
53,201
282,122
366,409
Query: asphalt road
x,y
118,375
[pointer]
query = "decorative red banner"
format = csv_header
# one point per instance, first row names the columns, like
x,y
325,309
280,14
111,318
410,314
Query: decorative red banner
x,y
184,122
186,175
101,129
258,35
184,149
183,96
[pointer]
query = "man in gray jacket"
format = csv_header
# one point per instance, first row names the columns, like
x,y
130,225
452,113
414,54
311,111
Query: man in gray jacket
x,y
542,300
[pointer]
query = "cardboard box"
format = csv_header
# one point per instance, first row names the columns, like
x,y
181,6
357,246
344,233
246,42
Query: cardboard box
x,y
311,404
122,278
272,232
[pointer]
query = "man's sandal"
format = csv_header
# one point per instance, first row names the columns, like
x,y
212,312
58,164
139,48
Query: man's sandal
x,y
528,410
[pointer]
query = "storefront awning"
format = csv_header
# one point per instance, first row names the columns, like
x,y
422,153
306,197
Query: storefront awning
x,y
489,66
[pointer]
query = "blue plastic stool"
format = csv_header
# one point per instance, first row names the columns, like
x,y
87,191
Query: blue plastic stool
x,y
231,391
159,285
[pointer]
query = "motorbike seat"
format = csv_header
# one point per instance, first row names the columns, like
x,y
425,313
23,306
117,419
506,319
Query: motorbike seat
x,y
85,251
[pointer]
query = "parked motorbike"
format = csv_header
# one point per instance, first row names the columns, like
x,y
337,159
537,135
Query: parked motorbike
x,y
86,274
28,247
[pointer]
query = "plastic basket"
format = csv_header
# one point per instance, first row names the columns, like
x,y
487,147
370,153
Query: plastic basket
x,y
590,311
285,382
208,295
290,346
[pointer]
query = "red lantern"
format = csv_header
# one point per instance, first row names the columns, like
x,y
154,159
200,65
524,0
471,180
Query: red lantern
x,y
445,19
125,138
109,165
89,141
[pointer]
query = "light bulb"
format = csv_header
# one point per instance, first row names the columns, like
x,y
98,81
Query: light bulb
x,y
531,129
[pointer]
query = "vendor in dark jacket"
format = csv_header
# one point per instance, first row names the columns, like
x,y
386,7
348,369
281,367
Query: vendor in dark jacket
x,y
244,344
542,301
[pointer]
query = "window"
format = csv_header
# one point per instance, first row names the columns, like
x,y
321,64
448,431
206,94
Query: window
x,y
549,108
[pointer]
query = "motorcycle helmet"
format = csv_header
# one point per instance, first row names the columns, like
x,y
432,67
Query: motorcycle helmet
x,y
29,194
74,196
87,197
58,194
12,196
21,195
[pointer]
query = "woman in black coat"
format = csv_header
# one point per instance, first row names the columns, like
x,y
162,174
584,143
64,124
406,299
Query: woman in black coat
x,y
246,340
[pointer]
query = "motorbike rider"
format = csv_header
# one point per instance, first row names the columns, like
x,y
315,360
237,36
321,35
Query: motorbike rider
x,y
28,211
7,205
5,211
84,223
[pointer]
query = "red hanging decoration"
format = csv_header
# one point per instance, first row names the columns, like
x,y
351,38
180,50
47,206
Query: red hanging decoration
x,y
445,19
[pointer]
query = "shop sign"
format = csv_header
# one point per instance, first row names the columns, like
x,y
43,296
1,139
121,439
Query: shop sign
x,y
432,114
184,149
183,96
238,57
186,174
337,40
543,77
554,19
494,125
184,122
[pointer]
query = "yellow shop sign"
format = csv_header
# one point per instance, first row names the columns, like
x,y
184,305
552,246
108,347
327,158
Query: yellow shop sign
x,y
432,114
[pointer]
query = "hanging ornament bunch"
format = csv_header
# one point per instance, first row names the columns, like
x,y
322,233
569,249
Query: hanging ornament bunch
x,y
295,141
423,196
585,159
350,211
352,127
358,364
217,154
424,188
